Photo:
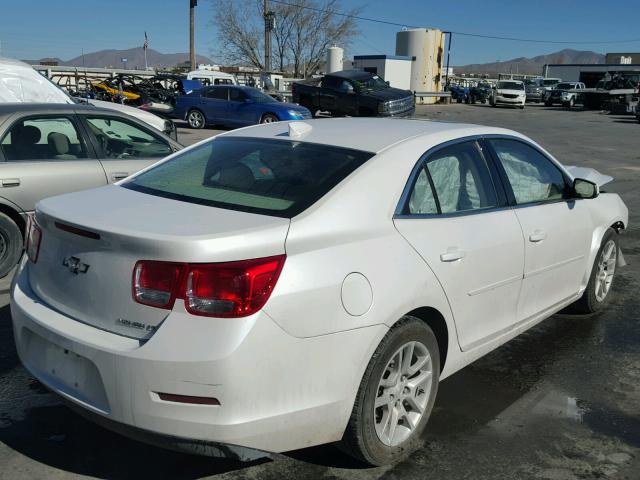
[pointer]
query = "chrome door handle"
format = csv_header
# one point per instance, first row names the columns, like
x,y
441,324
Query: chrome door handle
x,y
452,255
119,175
10,182
537,236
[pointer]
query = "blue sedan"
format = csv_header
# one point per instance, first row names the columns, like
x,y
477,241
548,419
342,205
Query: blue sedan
x,y
234,106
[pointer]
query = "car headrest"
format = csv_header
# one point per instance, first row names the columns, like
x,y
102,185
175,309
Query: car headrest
x,y
238,176
59,142
26,134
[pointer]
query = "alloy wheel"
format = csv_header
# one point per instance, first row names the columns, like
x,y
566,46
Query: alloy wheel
x,y
606,270
195,119
403,393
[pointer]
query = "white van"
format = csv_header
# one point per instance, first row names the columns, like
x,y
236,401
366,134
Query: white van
x,y
211,77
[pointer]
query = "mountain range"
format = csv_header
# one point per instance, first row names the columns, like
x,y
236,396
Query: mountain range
x,y
531,66
134,56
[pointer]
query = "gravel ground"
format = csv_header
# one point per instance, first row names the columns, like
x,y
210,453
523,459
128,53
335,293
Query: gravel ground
x,y
560,402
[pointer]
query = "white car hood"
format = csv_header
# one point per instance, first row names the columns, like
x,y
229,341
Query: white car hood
x,y
147,117
502,91
589,174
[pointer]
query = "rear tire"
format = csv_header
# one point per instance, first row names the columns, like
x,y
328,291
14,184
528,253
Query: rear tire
x,y
597,293
195,119
396,396
11,244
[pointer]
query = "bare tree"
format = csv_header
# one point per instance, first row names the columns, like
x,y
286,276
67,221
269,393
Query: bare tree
x,y
303,32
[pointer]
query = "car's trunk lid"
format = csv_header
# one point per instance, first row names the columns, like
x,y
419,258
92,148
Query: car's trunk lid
x,y
92,240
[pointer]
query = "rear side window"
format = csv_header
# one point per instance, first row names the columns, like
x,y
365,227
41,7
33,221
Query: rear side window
x,y
532,176
46,138
272,177
217,93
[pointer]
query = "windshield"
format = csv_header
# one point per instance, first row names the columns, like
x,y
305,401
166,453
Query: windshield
x,y
259,97
372,83
266,176
510,86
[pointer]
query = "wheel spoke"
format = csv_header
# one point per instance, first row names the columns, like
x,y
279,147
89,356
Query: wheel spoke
x,y
414,404
407,357
382,400
419,380
393,423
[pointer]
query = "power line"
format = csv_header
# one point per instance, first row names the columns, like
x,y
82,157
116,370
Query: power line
x,y
467,34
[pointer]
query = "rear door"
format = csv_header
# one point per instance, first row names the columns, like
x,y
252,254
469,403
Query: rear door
x,y
455,218
46,155
557,230
214,104
124,147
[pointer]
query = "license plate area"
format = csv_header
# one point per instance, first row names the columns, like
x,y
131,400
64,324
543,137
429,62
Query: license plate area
x,y
64,371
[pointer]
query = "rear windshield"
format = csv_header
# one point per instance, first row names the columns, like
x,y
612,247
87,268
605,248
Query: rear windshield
x,y
271,177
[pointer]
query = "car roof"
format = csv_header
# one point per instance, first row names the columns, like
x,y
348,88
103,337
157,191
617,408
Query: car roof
x,y
351,74
369,134
26,107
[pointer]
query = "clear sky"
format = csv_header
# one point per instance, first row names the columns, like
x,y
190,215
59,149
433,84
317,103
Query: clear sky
x,y
39,28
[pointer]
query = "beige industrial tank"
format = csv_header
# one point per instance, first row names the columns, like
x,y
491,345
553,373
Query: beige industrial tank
x,y
426,46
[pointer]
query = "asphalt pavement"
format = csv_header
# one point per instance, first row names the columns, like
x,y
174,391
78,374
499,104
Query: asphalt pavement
x,y
560,402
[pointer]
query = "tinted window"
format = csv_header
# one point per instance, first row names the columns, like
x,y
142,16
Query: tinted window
x,y
461,179
272,177
217,93
533,177
120,139
510,86
330,82
47,138
236,95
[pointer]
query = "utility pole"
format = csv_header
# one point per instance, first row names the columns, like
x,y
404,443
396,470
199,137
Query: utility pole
x,y
192,43
269,24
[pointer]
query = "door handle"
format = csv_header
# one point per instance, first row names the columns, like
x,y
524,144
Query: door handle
x,y
119,175
452,255
537,236
10,182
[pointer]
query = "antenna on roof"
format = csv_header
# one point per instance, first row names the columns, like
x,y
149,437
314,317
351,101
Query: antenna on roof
x,y
298,129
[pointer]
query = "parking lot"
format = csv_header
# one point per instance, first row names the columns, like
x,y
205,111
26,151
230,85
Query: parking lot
x,y
560,402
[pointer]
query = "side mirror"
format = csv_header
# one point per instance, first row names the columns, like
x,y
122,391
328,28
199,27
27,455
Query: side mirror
x,y
585,189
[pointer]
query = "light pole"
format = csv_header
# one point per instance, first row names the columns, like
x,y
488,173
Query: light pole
x,y
192,46
269,25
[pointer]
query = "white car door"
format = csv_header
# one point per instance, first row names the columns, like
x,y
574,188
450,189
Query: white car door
x,y
557,230
454,216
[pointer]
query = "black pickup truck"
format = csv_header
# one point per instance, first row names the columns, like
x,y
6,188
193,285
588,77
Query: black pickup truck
x,y
355,93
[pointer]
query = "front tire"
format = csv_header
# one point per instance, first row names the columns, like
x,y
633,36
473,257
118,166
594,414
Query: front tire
x,y
597,293
396,395
195,119
269,118
11,243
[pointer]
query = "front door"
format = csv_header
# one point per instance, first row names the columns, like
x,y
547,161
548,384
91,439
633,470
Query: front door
x,y
43,156
124,147
556,230
455,220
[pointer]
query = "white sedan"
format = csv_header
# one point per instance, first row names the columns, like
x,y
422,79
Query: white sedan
x,y
509,92
293,284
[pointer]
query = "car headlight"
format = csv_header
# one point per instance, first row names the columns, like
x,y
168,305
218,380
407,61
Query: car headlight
x,y
295,114
565,94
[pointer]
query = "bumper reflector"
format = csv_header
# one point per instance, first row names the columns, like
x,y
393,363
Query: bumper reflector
x,y
171,397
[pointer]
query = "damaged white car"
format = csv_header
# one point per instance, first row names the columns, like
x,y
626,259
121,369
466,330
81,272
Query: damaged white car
x,y
293,284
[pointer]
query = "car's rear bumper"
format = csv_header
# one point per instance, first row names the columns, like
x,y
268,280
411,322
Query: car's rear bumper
x,y
276,392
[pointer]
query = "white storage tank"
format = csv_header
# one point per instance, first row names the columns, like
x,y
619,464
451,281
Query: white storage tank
x,y
426,46
335,58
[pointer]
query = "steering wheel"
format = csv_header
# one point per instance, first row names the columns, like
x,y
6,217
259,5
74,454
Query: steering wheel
x,y
104,144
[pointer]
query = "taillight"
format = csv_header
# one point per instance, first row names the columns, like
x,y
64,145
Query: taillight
x,y
229,289
156,283
34,237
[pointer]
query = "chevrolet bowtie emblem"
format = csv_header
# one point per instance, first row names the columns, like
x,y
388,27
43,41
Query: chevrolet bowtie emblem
x,y
74,265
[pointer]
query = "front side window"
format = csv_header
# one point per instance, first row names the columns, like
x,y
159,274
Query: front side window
x,y
123,140
219,93
460,179
236,95
45,138
532,176
271,177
